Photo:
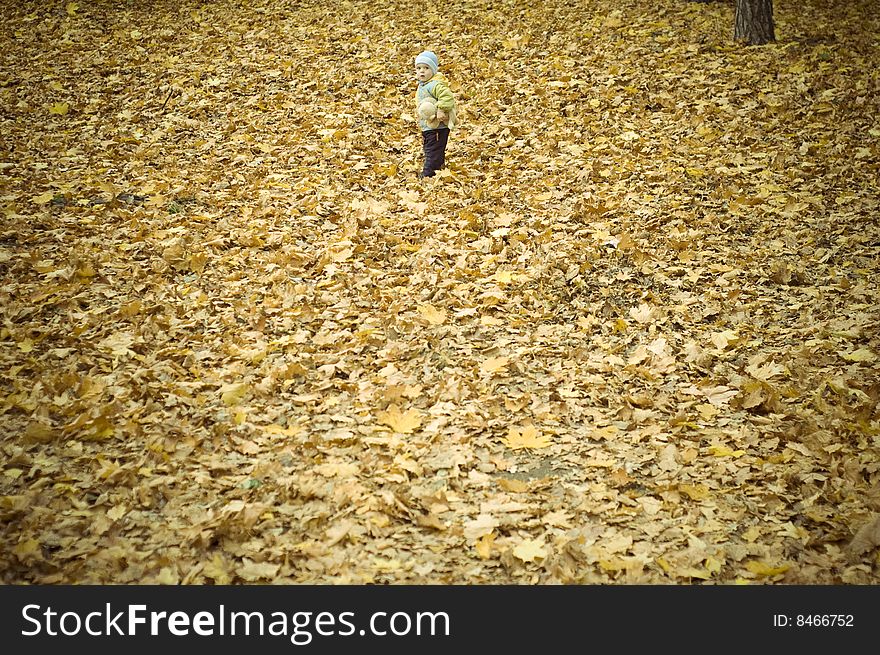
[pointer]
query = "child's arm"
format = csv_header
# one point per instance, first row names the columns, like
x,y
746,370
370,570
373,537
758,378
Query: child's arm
x,y
445,99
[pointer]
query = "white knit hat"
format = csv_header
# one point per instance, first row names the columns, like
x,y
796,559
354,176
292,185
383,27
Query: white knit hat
x,y
429,59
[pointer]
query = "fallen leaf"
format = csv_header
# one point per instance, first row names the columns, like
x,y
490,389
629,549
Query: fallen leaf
x,y
860,355
338,469
694,492
232,394
724,451
723,340
43,198
530,550
117,512
644,313
28,550
433,315
494,365
766,570
484,544
403,422
168,576
526,437
480,526
867,537
217,570
252,571
37,432
513,485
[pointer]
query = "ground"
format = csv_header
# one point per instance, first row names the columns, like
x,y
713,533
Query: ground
x,y
629,335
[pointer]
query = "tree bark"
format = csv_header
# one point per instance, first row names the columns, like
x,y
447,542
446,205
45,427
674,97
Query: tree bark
x,y
754,22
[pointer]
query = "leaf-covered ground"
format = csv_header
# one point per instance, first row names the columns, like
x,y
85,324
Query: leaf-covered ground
x,y
629,336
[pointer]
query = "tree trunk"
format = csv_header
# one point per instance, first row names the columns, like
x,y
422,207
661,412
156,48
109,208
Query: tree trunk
x,y
754,22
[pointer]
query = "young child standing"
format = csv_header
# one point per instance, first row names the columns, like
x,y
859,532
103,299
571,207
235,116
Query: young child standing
x,y
435,133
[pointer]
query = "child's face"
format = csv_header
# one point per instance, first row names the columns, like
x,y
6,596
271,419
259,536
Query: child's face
x,y
423,72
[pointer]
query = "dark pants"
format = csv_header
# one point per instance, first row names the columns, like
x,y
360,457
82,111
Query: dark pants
x,y
434,144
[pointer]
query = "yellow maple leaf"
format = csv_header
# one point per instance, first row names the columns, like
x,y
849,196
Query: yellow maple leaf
x,y
479,527
494,364
27,550
388,169
232,394
216,570
403,422
713,565
197,262
526,437
613,564
722,340
116,513
43,198
693,572
483,546
724,451
695,492
765,570
708,411
766,371
644,313
338,469
59,108
167,576
608,432
433,315
860,355
289,431
513,485
39,432
252,571
530,550
503,277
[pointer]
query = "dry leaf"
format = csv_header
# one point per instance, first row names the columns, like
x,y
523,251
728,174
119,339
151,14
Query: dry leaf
x,y
526,437
494,365
484,545
860,355
718,450
217,570
531,550
513,485
765,570
726,339
233,394
28,550
338,469
480,526
252,571
217,274
403,422
867,537
644,313
433,315
37,432
117,512
695,492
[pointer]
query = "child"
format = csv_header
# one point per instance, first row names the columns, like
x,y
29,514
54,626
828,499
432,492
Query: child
x,y
435,133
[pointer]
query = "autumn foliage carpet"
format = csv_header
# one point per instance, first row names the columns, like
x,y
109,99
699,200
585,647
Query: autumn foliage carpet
x,y
630,335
